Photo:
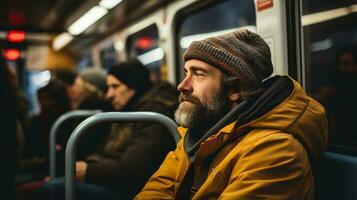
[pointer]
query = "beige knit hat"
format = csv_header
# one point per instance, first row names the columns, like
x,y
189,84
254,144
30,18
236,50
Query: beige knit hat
x,y
242,54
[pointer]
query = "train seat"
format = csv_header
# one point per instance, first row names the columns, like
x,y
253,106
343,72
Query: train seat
x,y
336,177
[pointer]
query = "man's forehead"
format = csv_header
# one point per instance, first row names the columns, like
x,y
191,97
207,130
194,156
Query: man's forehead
x,y
113,79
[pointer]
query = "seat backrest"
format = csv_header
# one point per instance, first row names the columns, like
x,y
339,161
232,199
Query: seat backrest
x,y
336,177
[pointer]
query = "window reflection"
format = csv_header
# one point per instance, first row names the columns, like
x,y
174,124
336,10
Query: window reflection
x,y
108,57
144,45
226,16
330,34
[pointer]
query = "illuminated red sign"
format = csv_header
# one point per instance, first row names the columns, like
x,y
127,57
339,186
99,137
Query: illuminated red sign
x,y
144,42
264,4
16,36
12,54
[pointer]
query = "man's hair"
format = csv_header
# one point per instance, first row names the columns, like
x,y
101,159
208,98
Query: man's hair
x,y
232,83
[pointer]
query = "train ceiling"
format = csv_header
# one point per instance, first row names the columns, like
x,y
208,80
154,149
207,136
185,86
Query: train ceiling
x,y
36,16
54,16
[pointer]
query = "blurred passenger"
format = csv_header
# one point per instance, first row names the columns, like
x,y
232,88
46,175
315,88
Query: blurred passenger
x,y
22,103
22,106
131,152
8,131
339,96
53,102
67,90
33,164
85,90
261,148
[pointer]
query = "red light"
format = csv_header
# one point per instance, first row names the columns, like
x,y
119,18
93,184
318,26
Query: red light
x,y
12,54
144,42
16,36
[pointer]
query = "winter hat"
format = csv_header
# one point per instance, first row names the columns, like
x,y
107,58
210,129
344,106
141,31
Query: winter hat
x,y
133,73
241,54
67,76
95,77
54,90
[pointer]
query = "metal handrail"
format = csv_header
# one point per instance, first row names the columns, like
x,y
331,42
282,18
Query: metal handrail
x,y
54,132
107,117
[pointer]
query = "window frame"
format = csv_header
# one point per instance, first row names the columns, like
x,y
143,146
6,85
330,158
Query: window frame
x,y
180,16
333,145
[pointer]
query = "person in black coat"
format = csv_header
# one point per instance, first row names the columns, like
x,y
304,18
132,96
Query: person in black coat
x,y
130,153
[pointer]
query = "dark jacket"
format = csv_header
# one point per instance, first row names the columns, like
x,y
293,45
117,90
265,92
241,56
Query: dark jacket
x,y
132,152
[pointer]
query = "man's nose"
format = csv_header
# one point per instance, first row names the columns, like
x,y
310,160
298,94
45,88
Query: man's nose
x,y
185,85
109,94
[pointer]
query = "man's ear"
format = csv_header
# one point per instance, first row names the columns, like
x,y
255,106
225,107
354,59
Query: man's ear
x,y
234,95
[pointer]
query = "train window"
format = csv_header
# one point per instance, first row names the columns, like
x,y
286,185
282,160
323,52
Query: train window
x,y
108,57
85,61
144,45
36,79
224,16
330,42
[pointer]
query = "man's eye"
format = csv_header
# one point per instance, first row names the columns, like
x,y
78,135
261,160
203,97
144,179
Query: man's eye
x,y
199,73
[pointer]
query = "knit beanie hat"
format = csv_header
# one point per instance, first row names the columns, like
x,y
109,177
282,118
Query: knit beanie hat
x,y
95,77
133,73
241,54
67,76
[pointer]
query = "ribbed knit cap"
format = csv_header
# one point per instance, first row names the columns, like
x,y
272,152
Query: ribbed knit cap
x,y
242,54
133,73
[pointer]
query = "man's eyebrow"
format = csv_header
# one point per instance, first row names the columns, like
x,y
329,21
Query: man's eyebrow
x,y
197,68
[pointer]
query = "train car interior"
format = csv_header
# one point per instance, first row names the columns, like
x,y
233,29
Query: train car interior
x,y
311,41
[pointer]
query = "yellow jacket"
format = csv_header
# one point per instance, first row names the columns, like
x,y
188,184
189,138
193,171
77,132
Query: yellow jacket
x,y
269,162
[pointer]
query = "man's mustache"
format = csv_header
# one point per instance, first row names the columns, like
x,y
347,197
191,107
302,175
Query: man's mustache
x,y
189,98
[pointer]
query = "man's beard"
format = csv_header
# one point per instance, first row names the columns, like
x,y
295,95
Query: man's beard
x,y
196,115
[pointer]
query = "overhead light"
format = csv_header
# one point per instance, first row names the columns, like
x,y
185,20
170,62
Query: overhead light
x,y
324,16
86,20
61,40
151,56
109,4
186,41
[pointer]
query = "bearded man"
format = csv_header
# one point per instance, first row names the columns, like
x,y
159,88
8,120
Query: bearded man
x,y
244,137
